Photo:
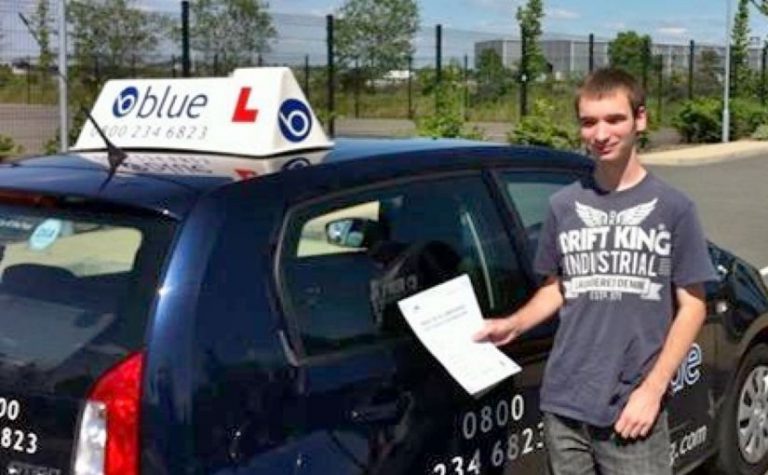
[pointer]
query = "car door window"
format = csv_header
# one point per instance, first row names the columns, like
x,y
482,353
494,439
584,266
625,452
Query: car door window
x,y
529,193
346,261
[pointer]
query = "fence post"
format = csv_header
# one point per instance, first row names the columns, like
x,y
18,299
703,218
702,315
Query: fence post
x,y
185,68
660,92
96,69
29,79
691,62
63,75
762,74
331,74
591,52
646,61
438,64
306,76
523,76
357,88
466,88
410,87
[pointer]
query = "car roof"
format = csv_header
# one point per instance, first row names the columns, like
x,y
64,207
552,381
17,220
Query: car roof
x,y
174,181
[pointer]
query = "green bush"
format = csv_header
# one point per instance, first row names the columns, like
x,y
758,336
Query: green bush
x,y
700,120
543,128
746,117
8,148
761,132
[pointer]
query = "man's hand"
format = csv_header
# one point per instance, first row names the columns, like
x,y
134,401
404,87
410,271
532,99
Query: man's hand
x,y
542,306
640,413
499,331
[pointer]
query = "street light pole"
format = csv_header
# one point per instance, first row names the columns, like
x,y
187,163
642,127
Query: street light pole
x,y
63,110
727,81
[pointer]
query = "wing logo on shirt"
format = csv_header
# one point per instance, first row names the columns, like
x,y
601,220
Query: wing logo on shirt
x,y
593,217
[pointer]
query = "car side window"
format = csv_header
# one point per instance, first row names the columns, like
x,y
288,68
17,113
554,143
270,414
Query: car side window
x,y
529,193
347,261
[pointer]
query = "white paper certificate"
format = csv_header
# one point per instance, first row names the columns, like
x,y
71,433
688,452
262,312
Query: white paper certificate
x,y
444,319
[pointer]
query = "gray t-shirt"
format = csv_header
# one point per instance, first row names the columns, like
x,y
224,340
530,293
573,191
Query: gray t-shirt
x,y
619,256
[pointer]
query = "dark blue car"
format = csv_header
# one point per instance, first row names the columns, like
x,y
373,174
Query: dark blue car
x,y
193,313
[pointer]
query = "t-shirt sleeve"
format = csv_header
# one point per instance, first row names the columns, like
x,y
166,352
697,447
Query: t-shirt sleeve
x,y
547,259
691,263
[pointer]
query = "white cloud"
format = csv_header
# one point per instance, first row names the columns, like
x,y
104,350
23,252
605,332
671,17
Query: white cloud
x,y
672,31
561,14
503,6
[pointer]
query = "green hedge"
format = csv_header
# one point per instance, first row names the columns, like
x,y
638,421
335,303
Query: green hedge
x,y
701,120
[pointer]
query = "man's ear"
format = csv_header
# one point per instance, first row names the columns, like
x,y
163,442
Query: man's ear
x,y
641,119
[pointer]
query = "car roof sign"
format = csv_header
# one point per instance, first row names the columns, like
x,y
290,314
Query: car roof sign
x,y
256,112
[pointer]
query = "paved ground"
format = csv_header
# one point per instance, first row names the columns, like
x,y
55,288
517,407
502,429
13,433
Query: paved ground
x,y
494,131
731,192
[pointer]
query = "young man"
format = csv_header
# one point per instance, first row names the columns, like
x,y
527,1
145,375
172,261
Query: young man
x,y
625,259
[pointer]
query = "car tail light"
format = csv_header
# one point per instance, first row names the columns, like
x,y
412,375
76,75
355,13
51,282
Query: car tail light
x,y
108,435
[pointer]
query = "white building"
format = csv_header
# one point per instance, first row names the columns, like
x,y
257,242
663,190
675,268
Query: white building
x,y
571,55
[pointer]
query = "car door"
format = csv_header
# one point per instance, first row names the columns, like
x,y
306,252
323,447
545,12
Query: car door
x,y
691,402
372,399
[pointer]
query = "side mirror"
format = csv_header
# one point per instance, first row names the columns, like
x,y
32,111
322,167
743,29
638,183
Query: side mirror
x,y
355,233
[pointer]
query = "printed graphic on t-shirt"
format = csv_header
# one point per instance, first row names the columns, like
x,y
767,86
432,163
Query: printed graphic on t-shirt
x,y
613,254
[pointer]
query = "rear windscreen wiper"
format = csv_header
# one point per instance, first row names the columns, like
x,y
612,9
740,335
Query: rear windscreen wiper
x,y
115,155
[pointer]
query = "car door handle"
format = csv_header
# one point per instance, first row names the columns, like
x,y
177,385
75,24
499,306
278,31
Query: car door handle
x,y
379,412
721,307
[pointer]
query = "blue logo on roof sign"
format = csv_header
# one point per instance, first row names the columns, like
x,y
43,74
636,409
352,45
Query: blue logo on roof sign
x,y
125,101
296,163
160,103
295,120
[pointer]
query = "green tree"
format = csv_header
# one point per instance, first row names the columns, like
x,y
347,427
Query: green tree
x,y
740,73
631,52
761,5
532,62
111,36
707,73
493,79
41,23
234,32
448,118
377,34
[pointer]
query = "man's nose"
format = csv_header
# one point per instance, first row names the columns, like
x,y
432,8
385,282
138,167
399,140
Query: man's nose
x,y
601,132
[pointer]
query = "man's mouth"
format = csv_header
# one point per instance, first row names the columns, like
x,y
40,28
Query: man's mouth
x,y
604,150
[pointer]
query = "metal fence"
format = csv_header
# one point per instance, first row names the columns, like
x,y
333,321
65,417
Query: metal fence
x,y
348,97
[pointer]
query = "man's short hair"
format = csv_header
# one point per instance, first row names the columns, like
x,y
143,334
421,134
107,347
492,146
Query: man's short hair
x,y
607,81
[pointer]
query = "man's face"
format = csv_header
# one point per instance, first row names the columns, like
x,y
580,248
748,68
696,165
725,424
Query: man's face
x,y
608,126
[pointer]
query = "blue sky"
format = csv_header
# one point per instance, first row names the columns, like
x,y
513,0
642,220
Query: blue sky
x,y
665,20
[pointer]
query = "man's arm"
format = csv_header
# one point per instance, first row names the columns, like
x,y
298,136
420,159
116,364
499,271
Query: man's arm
x,y
639,415
543,305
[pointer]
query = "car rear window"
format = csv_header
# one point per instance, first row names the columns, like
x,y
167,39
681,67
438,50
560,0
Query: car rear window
x,y
75,286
